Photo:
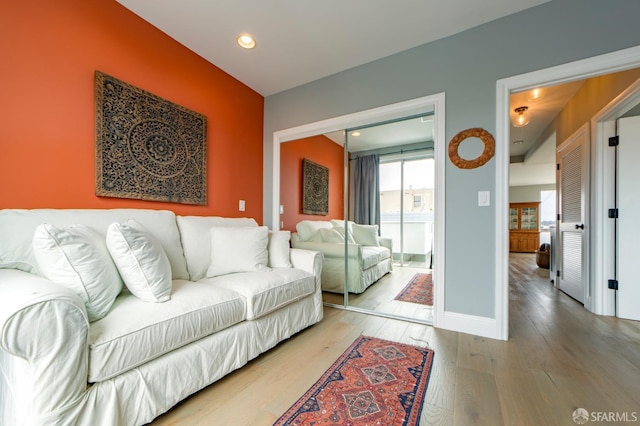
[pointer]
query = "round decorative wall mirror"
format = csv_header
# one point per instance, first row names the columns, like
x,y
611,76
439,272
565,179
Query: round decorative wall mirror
x,y
476,132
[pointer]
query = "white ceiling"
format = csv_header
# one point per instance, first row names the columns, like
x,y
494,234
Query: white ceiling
x,y
299,41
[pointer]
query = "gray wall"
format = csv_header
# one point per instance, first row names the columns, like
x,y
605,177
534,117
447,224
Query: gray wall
x,y
464,66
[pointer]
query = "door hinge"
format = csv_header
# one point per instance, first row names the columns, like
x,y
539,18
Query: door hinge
x,y
613,284
558,273
558,166
614,141
558,216
613,213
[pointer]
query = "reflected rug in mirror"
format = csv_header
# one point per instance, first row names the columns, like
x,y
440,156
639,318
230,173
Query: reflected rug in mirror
x,y
419,290
374,382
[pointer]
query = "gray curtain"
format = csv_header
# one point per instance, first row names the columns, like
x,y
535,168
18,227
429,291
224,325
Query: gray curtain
x,y
365,189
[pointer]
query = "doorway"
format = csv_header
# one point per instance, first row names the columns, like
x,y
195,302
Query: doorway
x,y
608,63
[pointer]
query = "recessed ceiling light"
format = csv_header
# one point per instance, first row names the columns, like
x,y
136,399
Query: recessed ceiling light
x,y
518,142
536,95
246,41
355,134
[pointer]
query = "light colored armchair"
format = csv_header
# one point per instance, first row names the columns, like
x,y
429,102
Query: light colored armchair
x,y
368,255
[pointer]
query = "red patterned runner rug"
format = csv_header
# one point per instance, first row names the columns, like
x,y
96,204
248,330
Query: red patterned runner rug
x,y
419,290
374,382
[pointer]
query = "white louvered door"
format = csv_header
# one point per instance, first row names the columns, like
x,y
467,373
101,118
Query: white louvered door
x,y
628,228
572,228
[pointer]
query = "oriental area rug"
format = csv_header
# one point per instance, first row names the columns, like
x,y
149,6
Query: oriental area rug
x,y
419,290
374,382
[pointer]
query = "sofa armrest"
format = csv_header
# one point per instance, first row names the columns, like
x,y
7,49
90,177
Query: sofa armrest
x,y
307,260
386,242
44,339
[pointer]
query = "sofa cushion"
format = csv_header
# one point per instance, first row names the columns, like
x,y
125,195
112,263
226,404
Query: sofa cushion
x,y
367,235
374,255
17,227
266,291
196,240
77,258
278,249
141,261
308,229
339,226
135,332
332,235
238,249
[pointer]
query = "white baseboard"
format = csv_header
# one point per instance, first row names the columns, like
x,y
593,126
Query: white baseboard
x,y
470,324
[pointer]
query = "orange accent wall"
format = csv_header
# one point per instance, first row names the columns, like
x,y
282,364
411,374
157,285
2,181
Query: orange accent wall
x,y
50,51
318,149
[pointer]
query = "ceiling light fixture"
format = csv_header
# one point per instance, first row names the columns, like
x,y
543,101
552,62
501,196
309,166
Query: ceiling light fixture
x,y
518,142
246,41
355,134
522,117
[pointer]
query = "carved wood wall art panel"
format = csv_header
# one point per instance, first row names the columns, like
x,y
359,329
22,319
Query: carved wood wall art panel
x,y
147,147
315,188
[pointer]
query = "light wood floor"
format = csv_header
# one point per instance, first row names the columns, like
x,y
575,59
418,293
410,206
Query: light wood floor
x,y
379,297
559,357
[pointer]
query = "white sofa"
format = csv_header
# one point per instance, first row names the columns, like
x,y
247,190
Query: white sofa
x,y
141,358
369,256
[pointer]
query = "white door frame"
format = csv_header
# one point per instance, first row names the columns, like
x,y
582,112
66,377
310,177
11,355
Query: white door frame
x,y
435,103
604,64
603,125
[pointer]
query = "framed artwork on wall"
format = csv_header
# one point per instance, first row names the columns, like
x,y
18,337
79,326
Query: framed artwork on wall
x,y
148,148
315,188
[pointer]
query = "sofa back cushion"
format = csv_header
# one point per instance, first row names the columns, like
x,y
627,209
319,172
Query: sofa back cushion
x,y
17,228
307,229
195,232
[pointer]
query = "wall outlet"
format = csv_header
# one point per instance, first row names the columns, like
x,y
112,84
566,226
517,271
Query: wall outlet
x,y
241,205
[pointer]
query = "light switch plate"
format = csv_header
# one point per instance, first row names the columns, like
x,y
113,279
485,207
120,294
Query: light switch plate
x,y
241,205
484,198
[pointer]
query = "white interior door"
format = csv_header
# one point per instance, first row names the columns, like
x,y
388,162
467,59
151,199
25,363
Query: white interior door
x,y
628,227
571,247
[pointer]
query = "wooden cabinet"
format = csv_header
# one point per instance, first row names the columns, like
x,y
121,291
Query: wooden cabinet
x,y
524,227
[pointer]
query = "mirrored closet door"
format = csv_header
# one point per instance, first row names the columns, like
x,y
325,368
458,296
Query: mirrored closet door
x,y
376,234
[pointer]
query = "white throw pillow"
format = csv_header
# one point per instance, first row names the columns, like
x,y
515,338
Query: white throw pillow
x,y
367,235
195,233
279,249
308,229
141,261
332,235
339,225
238,249
77,258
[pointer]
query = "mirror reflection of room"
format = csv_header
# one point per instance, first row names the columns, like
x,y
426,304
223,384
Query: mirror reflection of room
x,y
380,258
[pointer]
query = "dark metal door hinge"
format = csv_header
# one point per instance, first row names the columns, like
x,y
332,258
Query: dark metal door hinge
x,y
613,284
613,213
558,273
614,141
